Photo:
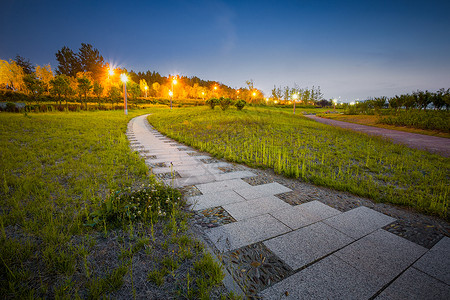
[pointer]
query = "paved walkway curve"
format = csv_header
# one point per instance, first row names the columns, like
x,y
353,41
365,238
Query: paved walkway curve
x,y
418,141
328,254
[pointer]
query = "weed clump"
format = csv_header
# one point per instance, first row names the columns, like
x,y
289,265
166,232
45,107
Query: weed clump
x,y
126,206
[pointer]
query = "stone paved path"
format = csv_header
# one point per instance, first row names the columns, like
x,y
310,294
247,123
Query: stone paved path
x,y
326,253
418,141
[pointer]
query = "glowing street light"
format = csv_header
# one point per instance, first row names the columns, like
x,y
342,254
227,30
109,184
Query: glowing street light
x,y
203,96
174,81
145,88
124,79
111,72
294,97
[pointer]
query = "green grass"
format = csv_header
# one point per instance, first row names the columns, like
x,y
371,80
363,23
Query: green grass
x,y
301,148
69,182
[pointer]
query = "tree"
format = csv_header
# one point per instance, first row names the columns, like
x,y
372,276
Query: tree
x,y
91,61
134,89
45,75
25,64
84,87
68,62
156,87
114,94
33,85
98,90
60,86
143,86
11,75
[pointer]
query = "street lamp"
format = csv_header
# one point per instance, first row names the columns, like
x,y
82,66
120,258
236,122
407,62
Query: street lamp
x,y
203,96
124,79
294,97
174,81
145,88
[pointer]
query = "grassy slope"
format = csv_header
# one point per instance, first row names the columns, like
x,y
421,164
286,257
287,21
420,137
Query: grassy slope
x,y
298,147
56,168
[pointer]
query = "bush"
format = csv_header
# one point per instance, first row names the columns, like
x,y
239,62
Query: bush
x,y
212,102
240,104
224,103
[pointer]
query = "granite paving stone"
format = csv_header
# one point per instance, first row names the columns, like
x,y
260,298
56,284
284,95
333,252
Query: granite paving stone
x,y
330,278
192,180
305,214
436,262
239,234
198,172
213,187
414,284
255,207
208,200
258,191
382,255
359,221
306,245
234,175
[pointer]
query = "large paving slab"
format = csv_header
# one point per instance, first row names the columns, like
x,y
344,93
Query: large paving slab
x,y
239,234
234,175
414,284
219,186
306,245
209,200
381,255
258,191
436,262
330,278
198,172
192,180
305,214
359,221
255,207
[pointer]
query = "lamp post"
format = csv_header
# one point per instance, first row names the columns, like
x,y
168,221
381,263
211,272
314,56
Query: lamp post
x,y
294,97
124,79
203,96
145,88
174,81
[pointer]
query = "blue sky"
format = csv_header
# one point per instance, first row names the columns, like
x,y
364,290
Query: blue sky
x,y
351,49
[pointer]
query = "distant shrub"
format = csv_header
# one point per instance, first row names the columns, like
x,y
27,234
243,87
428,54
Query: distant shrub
x,y
240,104
224,103
212,102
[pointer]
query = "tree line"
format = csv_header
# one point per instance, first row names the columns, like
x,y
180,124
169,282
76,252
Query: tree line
x,y
84,74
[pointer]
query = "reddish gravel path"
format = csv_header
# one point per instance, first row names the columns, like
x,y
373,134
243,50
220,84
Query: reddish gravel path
x,y
418,141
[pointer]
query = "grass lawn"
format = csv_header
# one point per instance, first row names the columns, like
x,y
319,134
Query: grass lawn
x,y
81,218
372,120
298,147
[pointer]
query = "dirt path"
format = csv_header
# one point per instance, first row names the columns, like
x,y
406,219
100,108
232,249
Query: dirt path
x,y
418,141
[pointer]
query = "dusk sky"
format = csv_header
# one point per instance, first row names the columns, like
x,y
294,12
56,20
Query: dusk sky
x,y
351,49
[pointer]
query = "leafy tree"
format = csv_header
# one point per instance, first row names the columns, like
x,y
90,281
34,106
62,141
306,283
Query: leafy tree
x,y
45,75
134,89
60,86
143,86
91,61
25,64
98,91
68,62
11,75
33,85
84,87
423,99
114,95
324,103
